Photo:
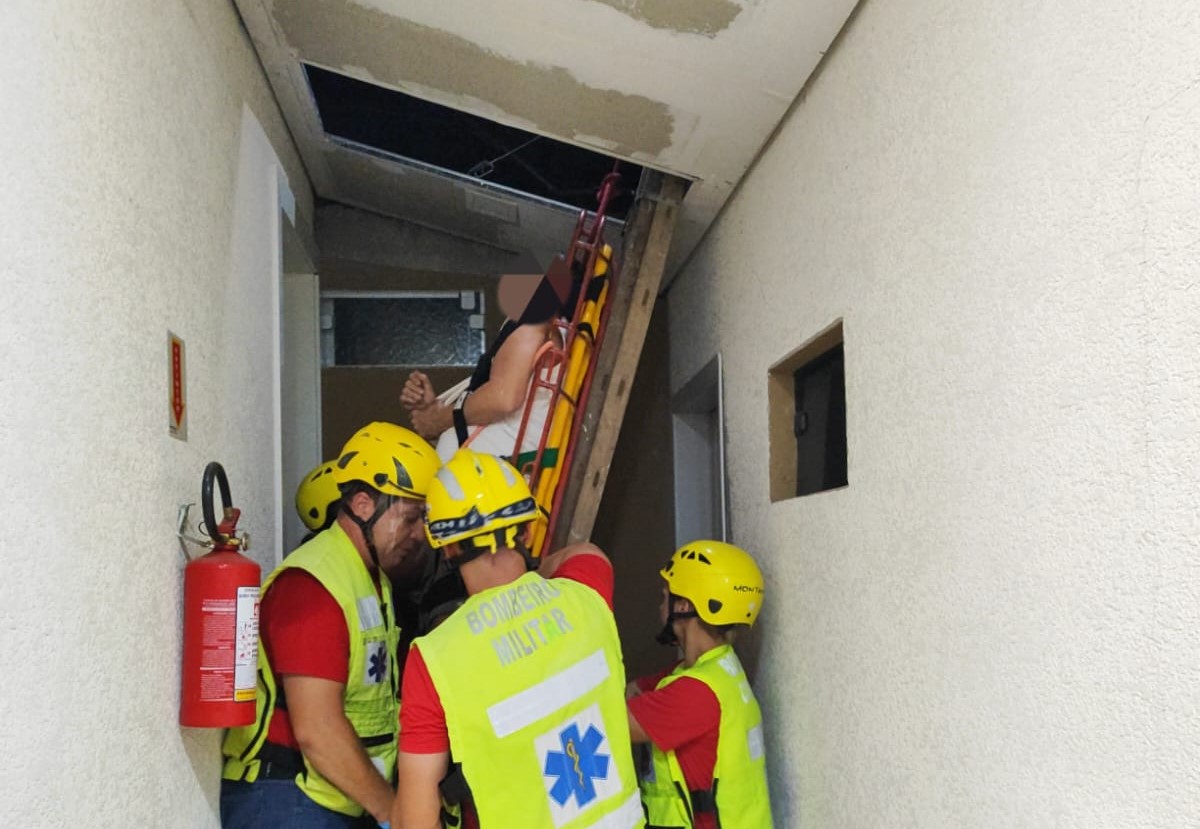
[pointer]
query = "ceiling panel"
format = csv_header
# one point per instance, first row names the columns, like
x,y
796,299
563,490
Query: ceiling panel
x,y
694,88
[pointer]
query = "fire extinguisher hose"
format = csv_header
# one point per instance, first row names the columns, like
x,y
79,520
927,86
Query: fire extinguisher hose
x,y
214,471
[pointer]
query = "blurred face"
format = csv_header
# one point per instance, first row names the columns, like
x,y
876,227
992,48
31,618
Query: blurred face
x,y
400,531
514,292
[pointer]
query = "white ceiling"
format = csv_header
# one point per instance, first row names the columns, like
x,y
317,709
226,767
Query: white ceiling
x,y
692,87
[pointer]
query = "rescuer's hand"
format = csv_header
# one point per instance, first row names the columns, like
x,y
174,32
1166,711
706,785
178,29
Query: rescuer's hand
x,y
417,392
329,743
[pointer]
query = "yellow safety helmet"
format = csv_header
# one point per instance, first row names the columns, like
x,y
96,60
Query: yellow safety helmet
x,y
317,497
394,460
720,580
476,496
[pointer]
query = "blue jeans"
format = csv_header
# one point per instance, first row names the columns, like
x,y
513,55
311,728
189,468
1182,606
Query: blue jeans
x,y
279,804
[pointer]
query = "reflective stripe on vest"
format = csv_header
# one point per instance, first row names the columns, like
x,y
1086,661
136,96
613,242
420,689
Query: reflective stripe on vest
x,y
531,679
371,684
740,774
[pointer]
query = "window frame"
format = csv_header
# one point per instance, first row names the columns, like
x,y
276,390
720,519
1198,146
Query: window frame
x,y
781,417
328,332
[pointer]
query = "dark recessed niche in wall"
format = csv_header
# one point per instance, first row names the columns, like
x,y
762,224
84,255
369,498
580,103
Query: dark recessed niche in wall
x,y
806,393
399,124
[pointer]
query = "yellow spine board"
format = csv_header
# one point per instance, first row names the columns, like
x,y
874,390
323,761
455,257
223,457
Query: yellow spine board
x,y
564,411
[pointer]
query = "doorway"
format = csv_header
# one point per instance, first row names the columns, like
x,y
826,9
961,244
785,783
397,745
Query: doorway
x,y
698,425
300,377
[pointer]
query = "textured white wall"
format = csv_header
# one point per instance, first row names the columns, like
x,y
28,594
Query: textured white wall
x,y
135,198
997,624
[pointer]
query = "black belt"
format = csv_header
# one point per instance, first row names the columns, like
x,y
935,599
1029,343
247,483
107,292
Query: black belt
x,y
704,801
278,762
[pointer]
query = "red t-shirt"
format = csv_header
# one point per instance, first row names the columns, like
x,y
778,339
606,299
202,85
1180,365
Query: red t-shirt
x,y
684,717
422,718
304,633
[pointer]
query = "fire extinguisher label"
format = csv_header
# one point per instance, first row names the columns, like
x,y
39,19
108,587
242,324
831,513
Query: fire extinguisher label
x,y
246,662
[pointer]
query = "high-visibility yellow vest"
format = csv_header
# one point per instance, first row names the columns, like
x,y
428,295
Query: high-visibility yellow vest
x,y
532,682
740,776
370,699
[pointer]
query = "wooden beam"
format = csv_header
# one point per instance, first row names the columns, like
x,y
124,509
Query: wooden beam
x,y
643,259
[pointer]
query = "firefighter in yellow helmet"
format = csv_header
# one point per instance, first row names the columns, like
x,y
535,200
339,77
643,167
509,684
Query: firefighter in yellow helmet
x,y
318,497
700,718
523,684
322,749
423,585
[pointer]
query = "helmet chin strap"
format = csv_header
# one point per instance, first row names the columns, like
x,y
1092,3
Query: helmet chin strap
x,y
667,636
531,563
382,503
509,537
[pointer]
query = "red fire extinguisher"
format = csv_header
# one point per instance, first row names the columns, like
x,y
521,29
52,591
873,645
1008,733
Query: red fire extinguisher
x,y
220,621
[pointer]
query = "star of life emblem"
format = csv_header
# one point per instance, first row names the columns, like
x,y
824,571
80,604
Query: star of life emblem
x,y
376,668
577,765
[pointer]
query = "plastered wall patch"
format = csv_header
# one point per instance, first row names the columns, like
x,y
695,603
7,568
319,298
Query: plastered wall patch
x,y
699,17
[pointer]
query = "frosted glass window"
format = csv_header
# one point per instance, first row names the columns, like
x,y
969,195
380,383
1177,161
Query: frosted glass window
x,y
402,330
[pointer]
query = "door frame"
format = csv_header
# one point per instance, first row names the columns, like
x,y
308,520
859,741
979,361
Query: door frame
x,y
703,394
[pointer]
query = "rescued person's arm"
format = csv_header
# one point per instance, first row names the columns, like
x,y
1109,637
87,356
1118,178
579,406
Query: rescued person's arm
x,y
503,393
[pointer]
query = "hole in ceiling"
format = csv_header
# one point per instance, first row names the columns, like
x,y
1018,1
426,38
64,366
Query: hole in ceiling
x,y
399,124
